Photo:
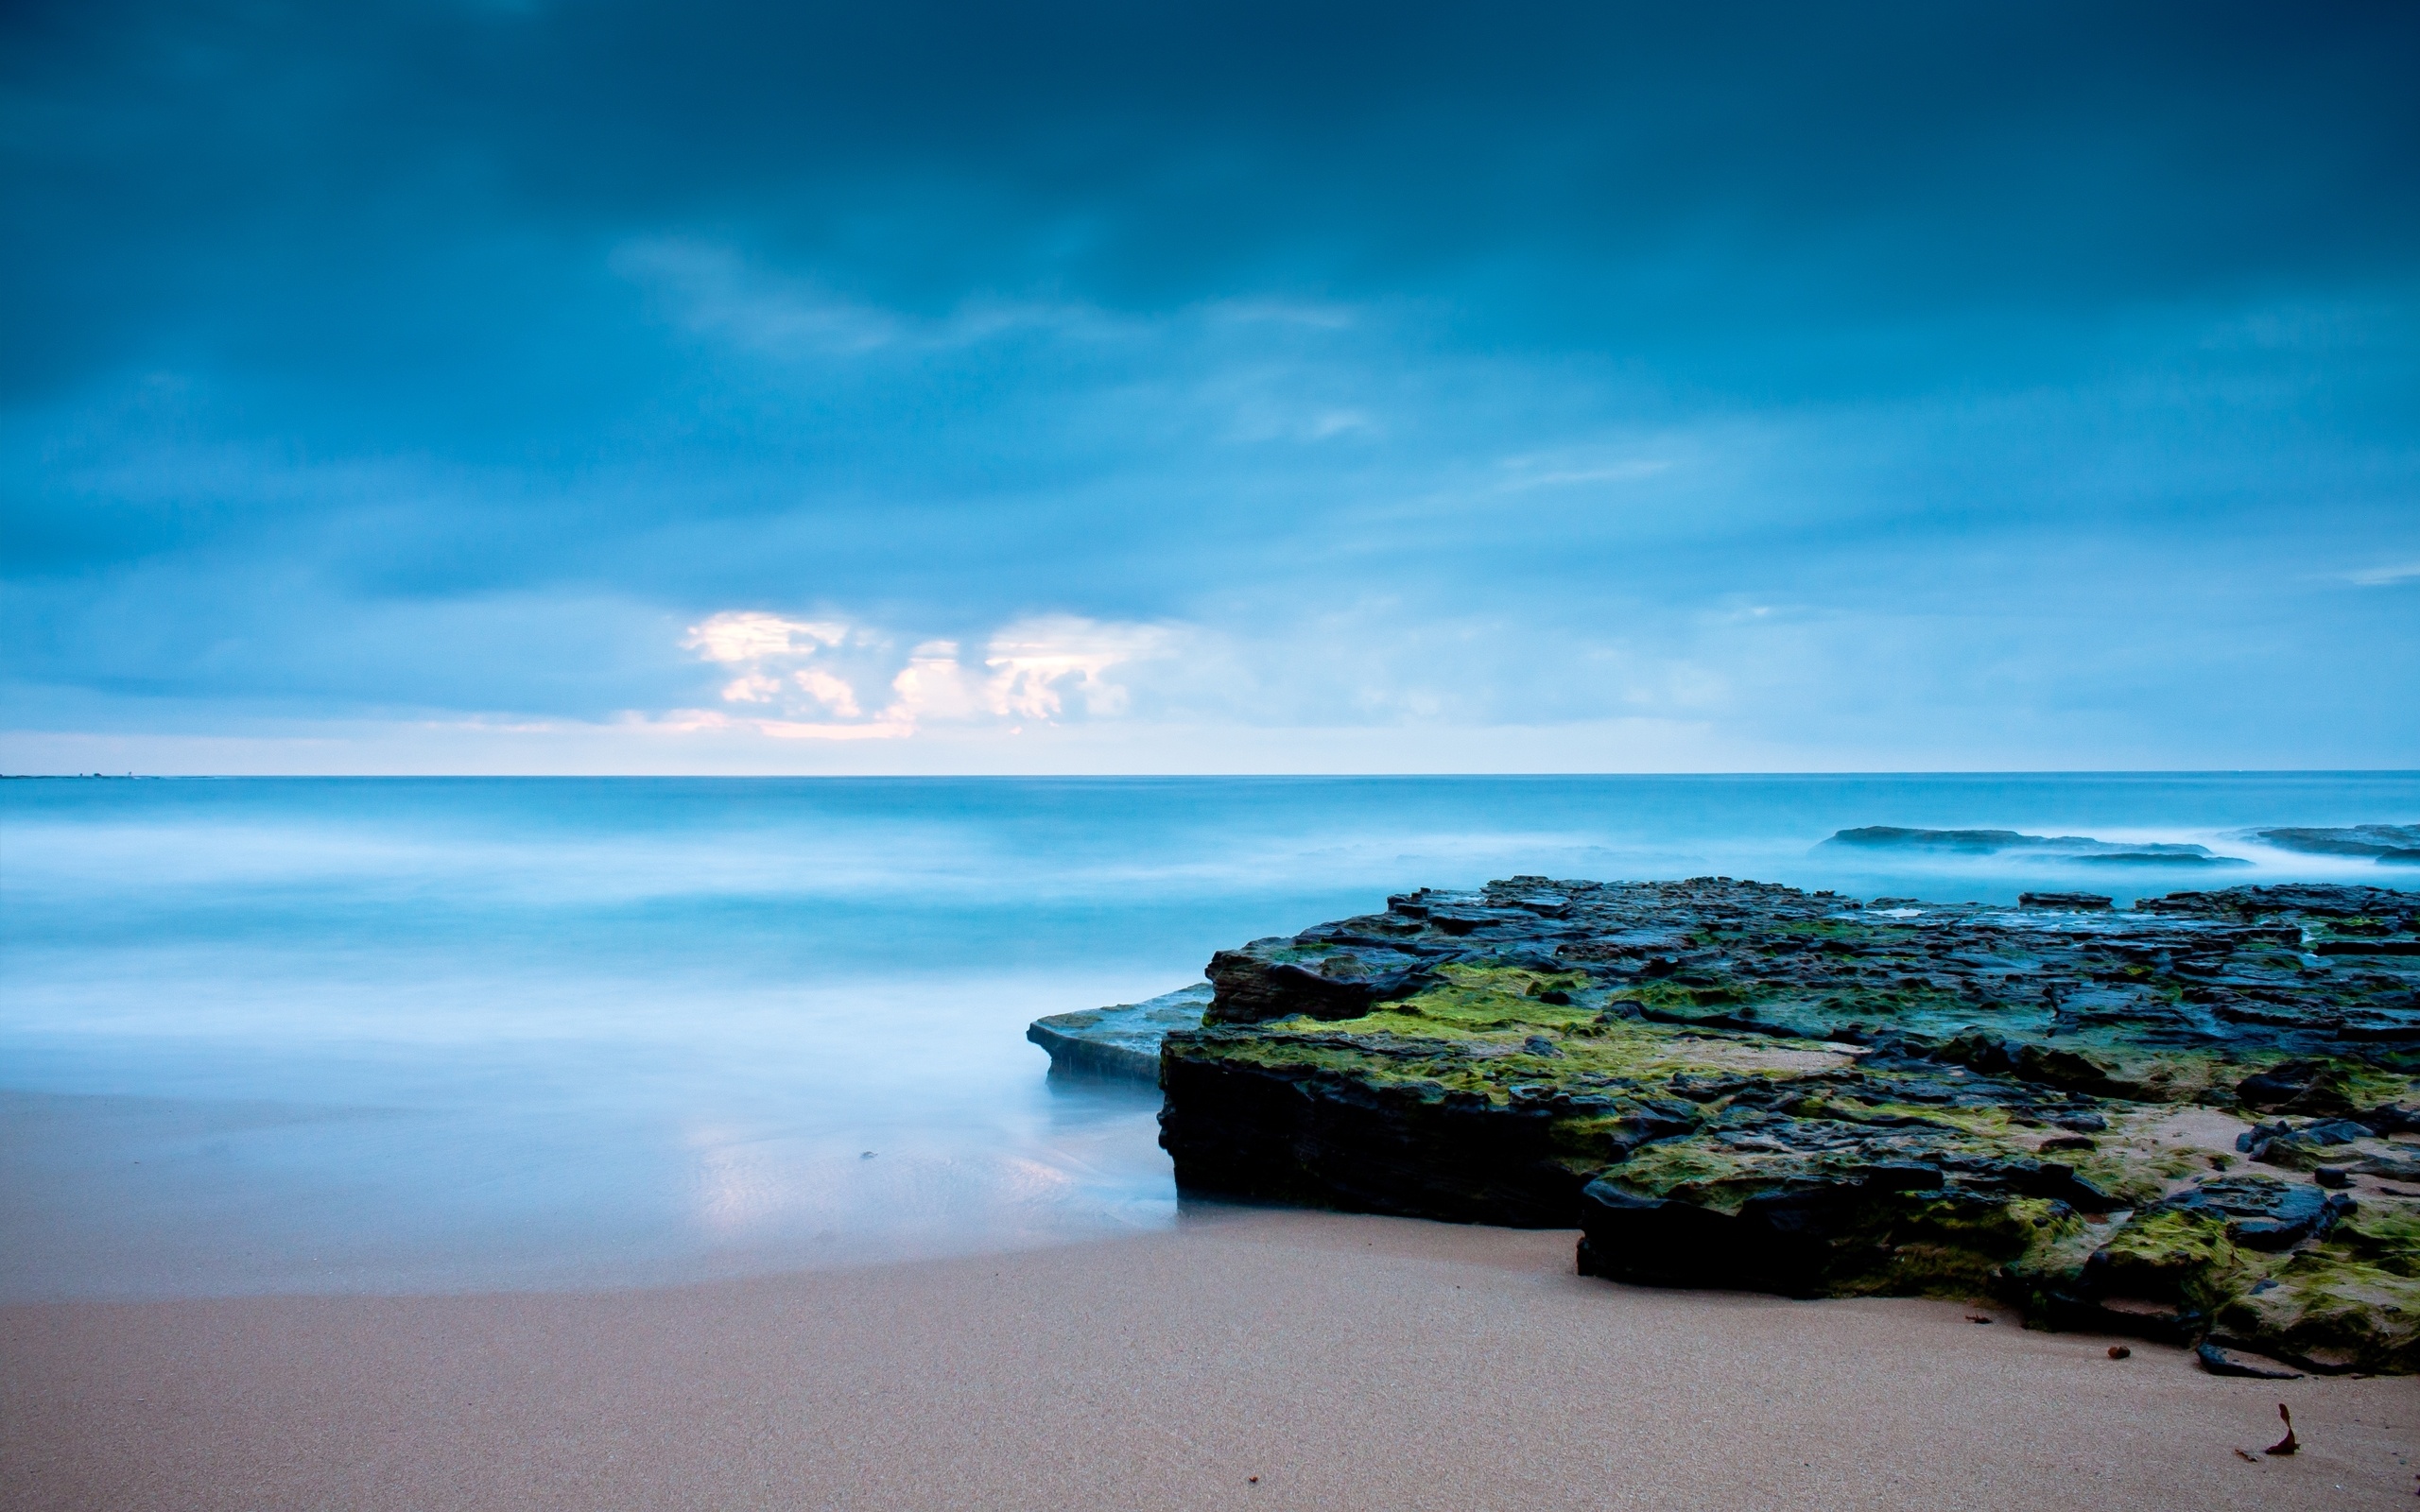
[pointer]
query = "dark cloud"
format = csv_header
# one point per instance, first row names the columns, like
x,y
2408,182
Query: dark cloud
x,y
1532,316
309,184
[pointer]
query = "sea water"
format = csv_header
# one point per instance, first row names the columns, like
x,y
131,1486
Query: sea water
x,y
334,1034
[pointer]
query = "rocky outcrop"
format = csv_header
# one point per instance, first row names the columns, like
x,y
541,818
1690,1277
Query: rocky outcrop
x,y
2076,848
2194,1119
1121,1041
2389,844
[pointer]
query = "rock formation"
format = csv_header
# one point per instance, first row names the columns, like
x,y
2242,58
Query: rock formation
x,y
2065,848
2193,1120
2389,844
1121,1041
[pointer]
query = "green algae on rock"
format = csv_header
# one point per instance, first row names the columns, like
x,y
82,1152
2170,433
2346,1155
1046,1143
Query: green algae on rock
x,y
2192,1119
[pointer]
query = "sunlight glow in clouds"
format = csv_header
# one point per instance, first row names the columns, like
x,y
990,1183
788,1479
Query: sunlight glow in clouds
x,y
1040,670
755,637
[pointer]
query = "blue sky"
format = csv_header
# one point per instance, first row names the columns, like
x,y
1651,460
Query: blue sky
x,y
603,386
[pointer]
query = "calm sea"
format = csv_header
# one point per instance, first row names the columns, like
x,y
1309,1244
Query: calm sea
x,y
437,1035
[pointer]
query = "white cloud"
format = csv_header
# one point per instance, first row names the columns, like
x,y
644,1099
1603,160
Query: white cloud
x,y
2385,576
829,691
752,637
1040,670
765,650
1038,664
935,686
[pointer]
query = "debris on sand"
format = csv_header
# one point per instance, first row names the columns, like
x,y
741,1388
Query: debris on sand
x,y
2287,1445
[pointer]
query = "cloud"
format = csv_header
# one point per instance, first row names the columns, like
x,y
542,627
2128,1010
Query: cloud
x,y
714,722
1040,670
1322,365
1036,665
803,730
746,636
935,685
711,289
715,289
829,691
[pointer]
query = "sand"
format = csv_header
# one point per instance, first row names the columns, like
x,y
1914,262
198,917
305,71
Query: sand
x,y
1345,1362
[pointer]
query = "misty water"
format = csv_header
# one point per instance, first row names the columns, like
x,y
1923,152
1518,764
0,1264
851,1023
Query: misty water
x,y
339,1035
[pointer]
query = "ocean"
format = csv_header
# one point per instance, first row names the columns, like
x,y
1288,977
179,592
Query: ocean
x,y
338,1034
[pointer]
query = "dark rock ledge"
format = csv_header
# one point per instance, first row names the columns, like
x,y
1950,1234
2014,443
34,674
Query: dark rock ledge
x,y
2194,1119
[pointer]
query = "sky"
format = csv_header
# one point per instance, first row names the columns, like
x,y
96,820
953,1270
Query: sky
x,y
592,385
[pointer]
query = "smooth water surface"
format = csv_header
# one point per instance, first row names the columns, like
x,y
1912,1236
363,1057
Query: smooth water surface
x,y
434,1035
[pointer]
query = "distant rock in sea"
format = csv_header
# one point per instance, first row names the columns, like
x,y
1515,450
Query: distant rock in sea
x,y
2065,847
1122,1041
2389,845
2072,901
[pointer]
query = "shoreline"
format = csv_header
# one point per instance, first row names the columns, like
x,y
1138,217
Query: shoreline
x,y
1346,1361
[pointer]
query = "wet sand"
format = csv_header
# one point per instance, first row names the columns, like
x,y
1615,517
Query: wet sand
x,y
1345,1362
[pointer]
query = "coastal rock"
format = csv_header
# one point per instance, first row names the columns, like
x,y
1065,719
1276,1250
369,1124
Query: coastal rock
x,y
2073,901
2349,1302
2297,1087
2259,1211
2223,1362
1806,1237
1291,1130
1738,1084
2389,844
1998,842
1122,1041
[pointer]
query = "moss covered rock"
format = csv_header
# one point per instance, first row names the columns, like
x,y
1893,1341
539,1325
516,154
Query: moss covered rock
x,y
2105,1116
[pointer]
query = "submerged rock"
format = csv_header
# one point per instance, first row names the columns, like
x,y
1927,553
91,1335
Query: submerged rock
x,y
1122,1041
1735,1083
1997,842
2389,844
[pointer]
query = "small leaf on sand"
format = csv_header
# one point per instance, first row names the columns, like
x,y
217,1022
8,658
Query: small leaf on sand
x,y
2287,1445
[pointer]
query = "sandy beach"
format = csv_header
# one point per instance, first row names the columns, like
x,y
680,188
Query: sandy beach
x,y
1342,1362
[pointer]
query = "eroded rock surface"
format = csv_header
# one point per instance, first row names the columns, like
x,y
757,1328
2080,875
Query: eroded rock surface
x,y
1121,1041
2194,1119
